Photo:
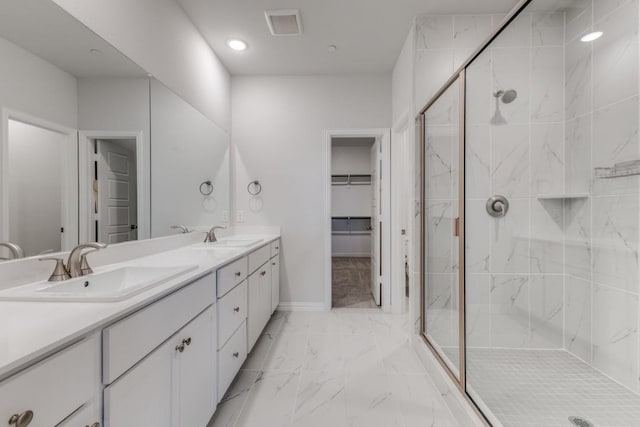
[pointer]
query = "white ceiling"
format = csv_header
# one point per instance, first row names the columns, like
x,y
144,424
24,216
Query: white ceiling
x,y
44,29
368,33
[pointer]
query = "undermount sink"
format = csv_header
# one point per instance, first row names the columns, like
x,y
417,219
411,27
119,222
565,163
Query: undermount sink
x,y
233,243
108,286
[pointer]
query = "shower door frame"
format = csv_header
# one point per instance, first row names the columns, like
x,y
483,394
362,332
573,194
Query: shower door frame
x,y
459,77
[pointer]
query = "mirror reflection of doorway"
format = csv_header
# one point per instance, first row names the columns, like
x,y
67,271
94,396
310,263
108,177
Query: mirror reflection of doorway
x,y
115,190
41,179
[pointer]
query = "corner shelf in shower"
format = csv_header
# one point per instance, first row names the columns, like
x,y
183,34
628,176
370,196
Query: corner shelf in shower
x,y
562,196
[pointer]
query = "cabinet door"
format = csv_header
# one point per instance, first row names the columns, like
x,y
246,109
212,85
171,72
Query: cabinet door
x,y
275,282
253,315
143,396
265,294
196,396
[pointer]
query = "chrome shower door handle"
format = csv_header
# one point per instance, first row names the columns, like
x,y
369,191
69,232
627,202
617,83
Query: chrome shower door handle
x,y
497,206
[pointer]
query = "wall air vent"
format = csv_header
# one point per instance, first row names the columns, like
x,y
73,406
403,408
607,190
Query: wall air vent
x,y
285,22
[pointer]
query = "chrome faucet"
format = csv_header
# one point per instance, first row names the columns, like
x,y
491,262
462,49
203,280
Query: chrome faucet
x,y
183,228
16,251
77,264
211,234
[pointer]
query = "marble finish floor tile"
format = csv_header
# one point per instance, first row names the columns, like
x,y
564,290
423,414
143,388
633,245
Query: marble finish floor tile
x,y
534,388
351,282
343,368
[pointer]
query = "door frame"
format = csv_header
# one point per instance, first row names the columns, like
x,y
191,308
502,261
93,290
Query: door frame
x,y
85,191
386,237
70,166
402,175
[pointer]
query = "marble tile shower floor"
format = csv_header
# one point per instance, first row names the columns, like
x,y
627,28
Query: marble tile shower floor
x,y
534,388
333,369
351,282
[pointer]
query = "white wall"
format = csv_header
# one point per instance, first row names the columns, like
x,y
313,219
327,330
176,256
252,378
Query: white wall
x,y
348,159
119,105
278,129
36,87
158,36
402,81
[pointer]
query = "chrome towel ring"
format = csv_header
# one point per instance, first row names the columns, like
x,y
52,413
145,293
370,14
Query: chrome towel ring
x,y
254,188
208,188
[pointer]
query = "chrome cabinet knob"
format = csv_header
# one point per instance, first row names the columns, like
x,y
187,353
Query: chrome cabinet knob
x,y
236,354
187,341
497,206
238,274
263,272
180,347
21,420
236,309
273,263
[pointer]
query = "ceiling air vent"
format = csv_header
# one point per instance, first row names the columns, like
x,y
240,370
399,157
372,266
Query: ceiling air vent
x,y
284,22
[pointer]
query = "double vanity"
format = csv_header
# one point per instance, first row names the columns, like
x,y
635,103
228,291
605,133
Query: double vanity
x,y
152,341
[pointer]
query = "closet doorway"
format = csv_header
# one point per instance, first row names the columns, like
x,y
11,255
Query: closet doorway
x,y
357,203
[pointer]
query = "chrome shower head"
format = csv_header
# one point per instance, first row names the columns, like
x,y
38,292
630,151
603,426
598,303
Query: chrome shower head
x,y
506,96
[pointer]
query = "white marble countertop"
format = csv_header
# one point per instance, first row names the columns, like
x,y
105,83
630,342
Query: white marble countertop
x,y
30,331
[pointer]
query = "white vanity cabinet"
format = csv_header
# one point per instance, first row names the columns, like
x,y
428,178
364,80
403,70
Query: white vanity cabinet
x,y
275,282
275,275
260,297
159,363
53,390
232,320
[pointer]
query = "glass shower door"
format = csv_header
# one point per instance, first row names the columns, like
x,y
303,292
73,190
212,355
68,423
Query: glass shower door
x,y
552,203
441,319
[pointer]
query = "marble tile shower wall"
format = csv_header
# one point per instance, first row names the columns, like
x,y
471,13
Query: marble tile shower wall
x,y
555,272
601,233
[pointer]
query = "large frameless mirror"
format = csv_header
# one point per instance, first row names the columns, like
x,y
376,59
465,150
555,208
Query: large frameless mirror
x,y
76,141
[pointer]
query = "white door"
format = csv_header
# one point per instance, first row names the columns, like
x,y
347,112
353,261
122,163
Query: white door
x,y
117,193
376,284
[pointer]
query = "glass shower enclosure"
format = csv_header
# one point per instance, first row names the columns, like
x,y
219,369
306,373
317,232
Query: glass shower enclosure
x,y
531,218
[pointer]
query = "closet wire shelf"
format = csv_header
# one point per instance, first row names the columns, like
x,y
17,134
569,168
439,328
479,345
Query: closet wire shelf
x,y
354,179
350,225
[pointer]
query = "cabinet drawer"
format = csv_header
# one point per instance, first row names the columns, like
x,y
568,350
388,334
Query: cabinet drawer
x,y
259,257
230,275
55,387
132,338
230,359
275,248
232,311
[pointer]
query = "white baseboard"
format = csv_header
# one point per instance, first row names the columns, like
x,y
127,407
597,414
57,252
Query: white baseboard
x,y
301,306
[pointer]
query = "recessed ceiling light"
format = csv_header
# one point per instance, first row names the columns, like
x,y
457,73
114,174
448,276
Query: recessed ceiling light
x,y
332,48
591,36
237,44
96,52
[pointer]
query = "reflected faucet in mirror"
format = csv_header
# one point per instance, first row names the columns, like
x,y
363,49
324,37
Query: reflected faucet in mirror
x,y
16,251
211,234
183,228
77,264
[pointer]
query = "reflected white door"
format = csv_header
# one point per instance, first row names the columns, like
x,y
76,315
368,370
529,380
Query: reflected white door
x,y
117,195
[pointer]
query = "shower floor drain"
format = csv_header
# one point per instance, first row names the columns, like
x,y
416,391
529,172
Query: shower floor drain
x,y
580,422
